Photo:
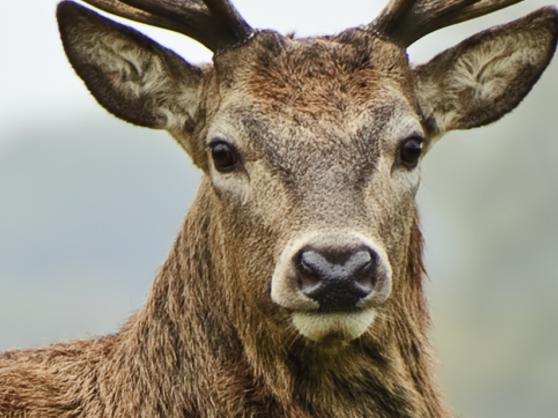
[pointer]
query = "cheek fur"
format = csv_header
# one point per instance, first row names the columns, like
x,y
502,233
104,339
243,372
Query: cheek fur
x,y
389,199
267,202
234,186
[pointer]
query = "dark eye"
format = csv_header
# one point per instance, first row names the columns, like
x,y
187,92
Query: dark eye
x,y
225,156
411,150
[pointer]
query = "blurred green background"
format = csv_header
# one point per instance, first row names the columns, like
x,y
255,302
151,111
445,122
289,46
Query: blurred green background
x,y
89,206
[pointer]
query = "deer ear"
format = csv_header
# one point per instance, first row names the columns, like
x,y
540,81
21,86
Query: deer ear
x,y
129,74
486,76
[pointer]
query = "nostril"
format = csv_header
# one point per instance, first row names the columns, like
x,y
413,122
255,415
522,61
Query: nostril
x,y
308,284
364,275
309,279
305,262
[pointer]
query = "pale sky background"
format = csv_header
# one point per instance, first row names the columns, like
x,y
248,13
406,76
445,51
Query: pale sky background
x,y
90,205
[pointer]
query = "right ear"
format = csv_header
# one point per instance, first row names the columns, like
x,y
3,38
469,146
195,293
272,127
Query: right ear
x,y
129,74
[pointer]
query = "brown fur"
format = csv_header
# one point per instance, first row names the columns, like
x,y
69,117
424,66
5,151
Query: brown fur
x,y
179,356
318,124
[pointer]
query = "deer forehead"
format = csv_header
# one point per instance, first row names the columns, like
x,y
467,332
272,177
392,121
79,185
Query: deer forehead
x,y
316,76
339,100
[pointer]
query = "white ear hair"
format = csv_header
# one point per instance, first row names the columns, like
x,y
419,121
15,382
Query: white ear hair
x,y
129,74
487,75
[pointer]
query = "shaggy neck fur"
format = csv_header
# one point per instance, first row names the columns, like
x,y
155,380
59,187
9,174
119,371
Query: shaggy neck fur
x,y
181,355
201,359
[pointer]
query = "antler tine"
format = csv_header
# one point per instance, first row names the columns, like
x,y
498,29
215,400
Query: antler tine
x,y
392,13
406,21
228,14
214,23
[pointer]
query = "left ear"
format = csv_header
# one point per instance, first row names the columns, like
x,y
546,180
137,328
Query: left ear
x,y
129,74
486,76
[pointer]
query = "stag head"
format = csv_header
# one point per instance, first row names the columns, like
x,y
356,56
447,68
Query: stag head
x,y
311,148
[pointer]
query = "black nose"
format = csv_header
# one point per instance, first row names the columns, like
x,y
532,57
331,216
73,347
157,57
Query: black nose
x,y
336,278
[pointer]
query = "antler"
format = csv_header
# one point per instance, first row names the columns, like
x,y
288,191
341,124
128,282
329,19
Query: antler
x,y
214,23
406,21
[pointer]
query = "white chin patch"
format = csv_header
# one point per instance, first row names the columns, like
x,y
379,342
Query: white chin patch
x,y
340,326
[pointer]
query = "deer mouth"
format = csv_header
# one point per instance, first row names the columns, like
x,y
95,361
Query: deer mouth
x,y
326,327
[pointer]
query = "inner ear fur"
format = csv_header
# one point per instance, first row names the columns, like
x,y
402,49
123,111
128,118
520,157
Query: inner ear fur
x,y
487,75
129,74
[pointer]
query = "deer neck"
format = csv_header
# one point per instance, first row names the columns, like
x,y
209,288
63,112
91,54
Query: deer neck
x,y
179,350
183,347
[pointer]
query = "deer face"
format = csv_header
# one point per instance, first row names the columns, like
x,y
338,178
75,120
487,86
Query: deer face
x,y
315,165
310,147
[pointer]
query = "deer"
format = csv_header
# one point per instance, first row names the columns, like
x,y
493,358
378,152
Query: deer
x,y
295,286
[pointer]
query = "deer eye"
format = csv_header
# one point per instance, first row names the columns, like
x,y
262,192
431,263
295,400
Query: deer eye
x,y
225,156
411,150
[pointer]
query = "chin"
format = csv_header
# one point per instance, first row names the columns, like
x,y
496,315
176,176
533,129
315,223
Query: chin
x,y
333,327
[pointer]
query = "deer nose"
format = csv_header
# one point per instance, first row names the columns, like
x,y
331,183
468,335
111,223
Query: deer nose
x,y
337,278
